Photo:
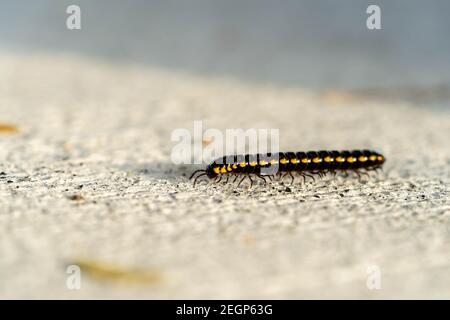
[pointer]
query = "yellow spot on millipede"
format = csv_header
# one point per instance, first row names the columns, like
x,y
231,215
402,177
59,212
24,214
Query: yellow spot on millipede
x,y
242,164
340,159
316,160
273,161
253,163
262,163
362,159
372,158
283,161
350,159
223,170
229,168
216,170
380,158
294,161
234,166
305,160
327,159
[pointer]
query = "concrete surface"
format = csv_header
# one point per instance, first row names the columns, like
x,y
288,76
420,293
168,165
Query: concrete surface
x,y
87,180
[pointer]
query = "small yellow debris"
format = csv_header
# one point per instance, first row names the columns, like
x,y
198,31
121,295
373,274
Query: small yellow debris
x,y
206,142
249,239
338,98
117,274
8,128
77,197
66,146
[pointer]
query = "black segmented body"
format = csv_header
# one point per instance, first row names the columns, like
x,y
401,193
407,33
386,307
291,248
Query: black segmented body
x,y
311,162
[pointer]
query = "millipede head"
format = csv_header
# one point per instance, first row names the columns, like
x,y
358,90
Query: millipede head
x,y
210,172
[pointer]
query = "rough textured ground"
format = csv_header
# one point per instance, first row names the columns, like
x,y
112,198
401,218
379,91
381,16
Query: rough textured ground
x,y
87,179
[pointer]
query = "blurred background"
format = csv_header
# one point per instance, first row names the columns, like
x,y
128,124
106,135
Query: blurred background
x,y
314,44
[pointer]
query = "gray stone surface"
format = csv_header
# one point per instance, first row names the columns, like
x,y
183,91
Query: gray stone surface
x,y
89,178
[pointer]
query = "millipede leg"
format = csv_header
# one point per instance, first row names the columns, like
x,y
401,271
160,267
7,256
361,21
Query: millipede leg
x,y
292,178
359,175
195,180
196,171
251,182
304,178
241,180
312,177
379,171
284,175
364,173
367,171
279,176
263,178
321,174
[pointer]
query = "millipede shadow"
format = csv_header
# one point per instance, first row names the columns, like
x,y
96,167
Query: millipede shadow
x,y
161,170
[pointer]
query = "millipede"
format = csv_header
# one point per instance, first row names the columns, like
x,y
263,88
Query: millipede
x,y
282,164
